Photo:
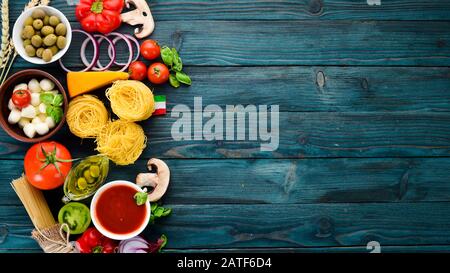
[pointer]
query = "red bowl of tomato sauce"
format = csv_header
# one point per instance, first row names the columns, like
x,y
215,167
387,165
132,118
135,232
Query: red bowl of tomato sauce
x,y
115,213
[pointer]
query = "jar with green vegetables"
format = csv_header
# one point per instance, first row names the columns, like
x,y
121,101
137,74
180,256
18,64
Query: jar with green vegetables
x,y
86,177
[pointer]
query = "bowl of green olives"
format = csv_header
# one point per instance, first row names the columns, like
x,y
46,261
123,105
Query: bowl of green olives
x,y
42,35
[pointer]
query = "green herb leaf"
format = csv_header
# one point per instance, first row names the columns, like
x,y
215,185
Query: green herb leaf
x,y
158,212
55,112
140,198
58,100
173,81
167,56
47,98
183,78
177,63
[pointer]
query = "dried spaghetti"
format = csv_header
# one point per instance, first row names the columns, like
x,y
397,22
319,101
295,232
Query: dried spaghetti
x,y
131,100
122,141
86,116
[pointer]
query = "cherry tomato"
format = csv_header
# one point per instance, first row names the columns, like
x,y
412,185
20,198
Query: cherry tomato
x,y
47,164
158,73
137,70
21,98
150,49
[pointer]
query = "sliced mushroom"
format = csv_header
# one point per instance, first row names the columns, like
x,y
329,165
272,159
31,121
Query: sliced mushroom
x,y
158,179
139,16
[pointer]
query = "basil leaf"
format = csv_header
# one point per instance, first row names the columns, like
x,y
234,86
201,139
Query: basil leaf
x,y
140,198
55,112
173,81
46,98
58,100
177,63
167,56
183,78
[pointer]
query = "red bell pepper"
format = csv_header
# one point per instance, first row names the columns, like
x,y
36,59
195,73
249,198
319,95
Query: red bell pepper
x,y
92,241
99,15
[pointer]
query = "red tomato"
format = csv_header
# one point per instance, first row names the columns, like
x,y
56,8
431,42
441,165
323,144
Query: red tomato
x,y
137,70
21,98
150,49
47,164
158,73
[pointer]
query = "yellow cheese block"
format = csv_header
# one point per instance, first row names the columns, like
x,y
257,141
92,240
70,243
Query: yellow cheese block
x,y
82,82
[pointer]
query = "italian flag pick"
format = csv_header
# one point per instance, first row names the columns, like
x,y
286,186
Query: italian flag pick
x,y
160,105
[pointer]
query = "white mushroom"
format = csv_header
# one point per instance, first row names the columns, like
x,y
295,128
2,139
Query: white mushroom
x,y
158,179
139,16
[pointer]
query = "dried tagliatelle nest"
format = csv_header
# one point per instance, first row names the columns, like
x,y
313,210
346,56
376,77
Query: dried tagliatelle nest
x,y
122,141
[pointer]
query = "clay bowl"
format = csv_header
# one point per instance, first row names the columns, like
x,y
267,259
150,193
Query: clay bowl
x,y
6,91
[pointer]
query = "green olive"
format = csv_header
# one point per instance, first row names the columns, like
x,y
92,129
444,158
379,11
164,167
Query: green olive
x,y
54,49
38,14
61,29
46,20
46,30
36,41
61,42
38,24
88,177
39,52
26,42
50,40
28,32
54,21
28,21
94,171
47,55
29,49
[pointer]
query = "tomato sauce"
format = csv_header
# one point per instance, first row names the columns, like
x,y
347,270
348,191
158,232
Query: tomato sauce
x,y
117,210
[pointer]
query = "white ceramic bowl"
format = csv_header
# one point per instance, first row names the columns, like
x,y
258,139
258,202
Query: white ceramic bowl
x,y
18,27
108,233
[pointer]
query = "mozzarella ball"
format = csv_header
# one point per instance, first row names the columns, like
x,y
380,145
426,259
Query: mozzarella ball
x,y
14,116
23,122
36,120
11,105
41,128
50,122
35,99
34,86
42,117
29,130
29,112
42,108
47,84
22,86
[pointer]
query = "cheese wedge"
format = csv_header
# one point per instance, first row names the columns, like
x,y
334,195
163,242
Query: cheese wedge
x,y
83,82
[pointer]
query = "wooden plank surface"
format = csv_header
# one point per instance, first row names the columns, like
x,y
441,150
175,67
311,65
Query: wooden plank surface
x,y
237,43
283,181
312,89
302,135
301,225
173,10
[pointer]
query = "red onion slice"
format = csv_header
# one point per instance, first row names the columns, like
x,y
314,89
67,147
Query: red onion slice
x,y
98,66
130,38
130,48
94,58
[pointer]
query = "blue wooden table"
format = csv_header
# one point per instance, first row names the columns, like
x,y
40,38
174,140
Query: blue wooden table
x,y
364,152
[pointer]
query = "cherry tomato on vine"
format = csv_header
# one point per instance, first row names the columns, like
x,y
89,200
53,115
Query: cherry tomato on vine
x,y
150,49
158,73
